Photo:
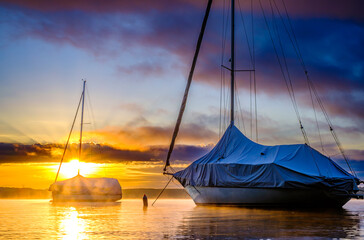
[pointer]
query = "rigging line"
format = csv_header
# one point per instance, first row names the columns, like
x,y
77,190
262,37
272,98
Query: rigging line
x,y
177,184
333,133
225,27
289,33
239,106
251,105
294,35
253,37
221,69
93,125
275,50
91,108
255,86
183,104
220,102
236,104
69,136
82,110
225,95
232,65
173,171
299,56
315,92
279,61
224,103
288,76
246,34
255,107
275,27
317,124
162,190
227,102
287,71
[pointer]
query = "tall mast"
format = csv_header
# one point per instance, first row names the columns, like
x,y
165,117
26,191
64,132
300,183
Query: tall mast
x,y
83,104
184,100
232,60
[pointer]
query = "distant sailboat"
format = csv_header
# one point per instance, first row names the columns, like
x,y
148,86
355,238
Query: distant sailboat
x,y
83,189
240,171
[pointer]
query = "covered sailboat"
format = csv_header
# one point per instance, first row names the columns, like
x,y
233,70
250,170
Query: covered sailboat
x,y
85,189
80,188
240,171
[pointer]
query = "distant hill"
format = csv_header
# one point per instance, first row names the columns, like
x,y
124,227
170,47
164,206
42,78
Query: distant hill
x,y
29,193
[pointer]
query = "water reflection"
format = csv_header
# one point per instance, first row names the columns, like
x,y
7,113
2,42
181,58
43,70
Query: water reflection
x,y
72,226
172,219
76,220
235,222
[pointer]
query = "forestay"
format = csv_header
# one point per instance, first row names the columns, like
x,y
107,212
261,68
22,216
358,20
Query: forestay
x,y
236,161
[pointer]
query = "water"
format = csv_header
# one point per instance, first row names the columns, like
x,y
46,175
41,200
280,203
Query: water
x,y
173,219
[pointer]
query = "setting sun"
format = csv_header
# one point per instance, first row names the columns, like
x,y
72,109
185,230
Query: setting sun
x,y
70,169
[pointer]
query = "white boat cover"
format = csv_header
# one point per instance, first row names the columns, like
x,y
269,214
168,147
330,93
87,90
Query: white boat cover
x,y
80,185
236,161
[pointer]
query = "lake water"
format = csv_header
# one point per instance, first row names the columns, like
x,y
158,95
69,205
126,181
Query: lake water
x,y
173,219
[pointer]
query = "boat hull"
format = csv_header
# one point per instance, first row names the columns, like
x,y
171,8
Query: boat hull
x,y
265,197
59,197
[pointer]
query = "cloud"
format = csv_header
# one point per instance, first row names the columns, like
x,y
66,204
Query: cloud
x,y
344,104
158,38
99,153
94,6
96,153
350,9
140,137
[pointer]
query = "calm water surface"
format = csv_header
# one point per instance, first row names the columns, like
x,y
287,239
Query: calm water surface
x,y
173,219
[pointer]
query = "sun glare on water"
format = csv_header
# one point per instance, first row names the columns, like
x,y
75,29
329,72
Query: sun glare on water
x,y
71,168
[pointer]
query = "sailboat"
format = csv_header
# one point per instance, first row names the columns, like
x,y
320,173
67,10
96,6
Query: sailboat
x,y
239,171
80,188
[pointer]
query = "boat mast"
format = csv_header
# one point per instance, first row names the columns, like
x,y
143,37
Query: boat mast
x,y
83,104
232,60
184,100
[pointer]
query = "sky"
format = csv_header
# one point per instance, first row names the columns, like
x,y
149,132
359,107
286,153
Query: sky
x,y
136,56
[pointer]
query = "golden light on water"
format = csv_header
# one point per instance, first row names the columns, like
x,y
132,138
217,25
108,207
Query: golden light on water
x,y
72,226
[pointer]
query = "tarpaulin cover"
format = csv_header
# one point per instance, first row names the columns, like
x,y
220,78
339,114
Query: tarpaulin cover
x,y
84,185
236,161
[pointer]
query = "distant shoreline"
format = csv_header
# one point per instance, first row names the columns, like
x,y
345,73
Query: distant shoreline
x,y
30,193
135,193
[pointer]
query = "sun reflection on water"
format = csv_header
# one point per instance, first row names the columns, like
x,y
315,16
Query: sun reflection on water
x,y
73,225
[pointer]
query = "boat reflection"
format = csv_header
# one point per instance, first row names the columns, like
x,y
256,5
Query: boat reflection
x,y
238,222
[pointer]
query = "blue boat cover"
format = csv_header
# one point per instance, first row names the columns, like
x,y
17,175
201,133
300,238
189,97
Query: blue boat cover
x,y
236,161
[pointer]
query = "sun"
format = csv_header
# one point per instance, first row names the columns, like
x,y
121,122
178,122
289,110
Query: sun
x,y
73,167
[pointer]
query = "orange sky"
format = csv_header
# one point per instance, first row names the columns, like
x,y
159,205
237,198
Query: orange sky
x,y
41,175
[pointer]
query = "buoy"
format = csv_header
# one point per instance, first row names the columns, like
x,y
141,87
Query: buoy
x,y
145,201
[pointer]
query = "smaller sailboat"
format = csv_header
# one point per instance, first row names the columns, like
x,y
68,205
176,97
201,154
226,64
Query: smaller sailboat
x,y
80,188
